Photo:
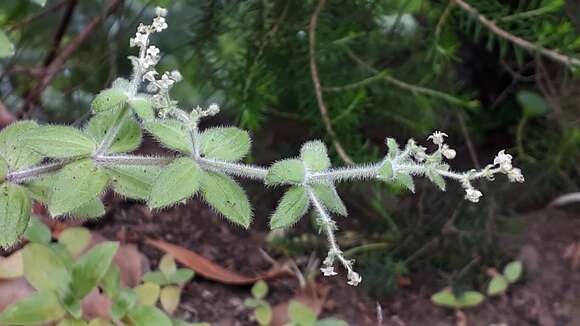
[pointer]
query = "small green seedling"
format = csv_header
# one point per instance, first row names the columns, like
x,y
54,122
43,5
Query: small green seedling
x,y
499,283
447,298
301,315
262,309
164,285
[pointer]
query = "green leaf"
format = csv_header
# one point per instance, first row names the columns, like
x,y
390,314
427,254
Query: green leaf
x,y
148,293
111,282
171,134
327,194
109,99
181,276
176,182
260,290
497,285
533,104
37,231
133,182
63,254
122,303
44,270
386,171
58,142
15,207
314,156
263,314
72,305
228,144
170,297
470,299
406,181
156,278
3,170
92,209
6,46
39,308
75,239
147,316
301,314
91,268
293,205
445,298
393,148
436,178
513,271
227,197
167,265
141,105
18,157
286,172
128,137
76,184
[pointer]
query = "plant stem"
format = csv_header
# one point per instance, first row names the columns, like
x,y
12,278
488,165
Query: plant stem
x,y
34,172
113,131
232,168
112,160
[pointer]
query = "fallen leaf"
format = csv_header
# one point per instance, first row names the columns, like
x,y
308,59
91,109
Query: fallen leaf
x,y
211,270
313,297
12,266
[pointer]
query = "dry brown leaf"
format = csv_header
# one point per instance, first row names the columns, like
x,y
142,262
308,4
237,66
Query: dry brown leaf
x,y
211,270
313,296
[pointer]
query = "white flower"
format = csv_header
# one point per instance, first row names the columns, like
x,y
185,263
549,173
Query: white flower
x,y
504,161
150,76
473,195
213,109
448,152
515,175
328,271
437,137
176,75
353,278
139,40
159,24
143,29
165,82
162,12
153,51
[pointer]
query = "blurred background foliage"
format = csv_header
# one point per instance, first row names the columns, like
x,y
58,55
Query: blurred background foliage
x,y
398,68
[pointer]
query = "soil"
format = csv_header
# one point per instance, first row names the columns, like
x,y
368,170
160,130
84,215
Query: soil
x,y
549,294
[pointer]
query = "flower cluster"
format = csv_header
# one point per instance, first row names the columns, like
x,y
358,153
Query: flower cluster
x,y
148,55
438,138
353,277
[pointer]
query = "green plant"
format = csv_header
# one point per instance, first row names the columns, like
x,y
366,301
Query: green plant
x,y
68,169
501,281
301,315
262,309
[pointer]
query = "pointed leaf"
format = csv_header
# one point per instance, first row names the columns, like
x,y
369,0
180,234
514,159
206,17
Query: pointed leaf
x,y
6,46
386,171
39,308
170,297
327,194
167,265
76,184
228,144
286,172
18,157
497,285
141,105
147,316
58,141
15,207
513,271
436,178
315,156
75,239
44,270
91,267
170,133
227,197
176,182
393,148
293,205
147,293
128,137
37,231
109,99
406,180
133,182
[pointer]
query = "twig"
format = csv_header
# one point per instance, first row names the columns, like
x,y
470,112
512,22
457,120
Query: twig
x,y
64,23
492,26
317,87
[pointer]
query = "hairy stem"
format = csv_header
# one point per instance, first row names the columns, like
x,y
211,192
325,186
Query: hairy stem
x,y
231,168
34,172
111,160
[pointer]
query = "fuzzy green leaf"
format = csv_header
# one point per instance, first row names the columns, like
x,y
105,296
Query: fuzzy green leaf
x,y
128,137
386,171
497,285
393,148
406,181
436,178
76,185
38,309
513,271
15,208
75,239
470,299
327,194
91,268
176,182
37,231
133,182
141,105
315,156
18,157
44,270
92,209
260,290
6,46
227,197
228,144
286,172
171,134
293,205
58,141
301,314
263,314
147,316
109,99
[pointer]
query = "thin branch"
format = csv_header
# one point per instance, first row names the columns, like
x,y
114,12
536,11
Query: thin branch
x,y
492,26
317,87
63,26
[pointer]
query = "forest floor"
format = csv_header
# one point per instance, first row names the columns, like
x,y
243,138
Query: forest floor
x,y
549,295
